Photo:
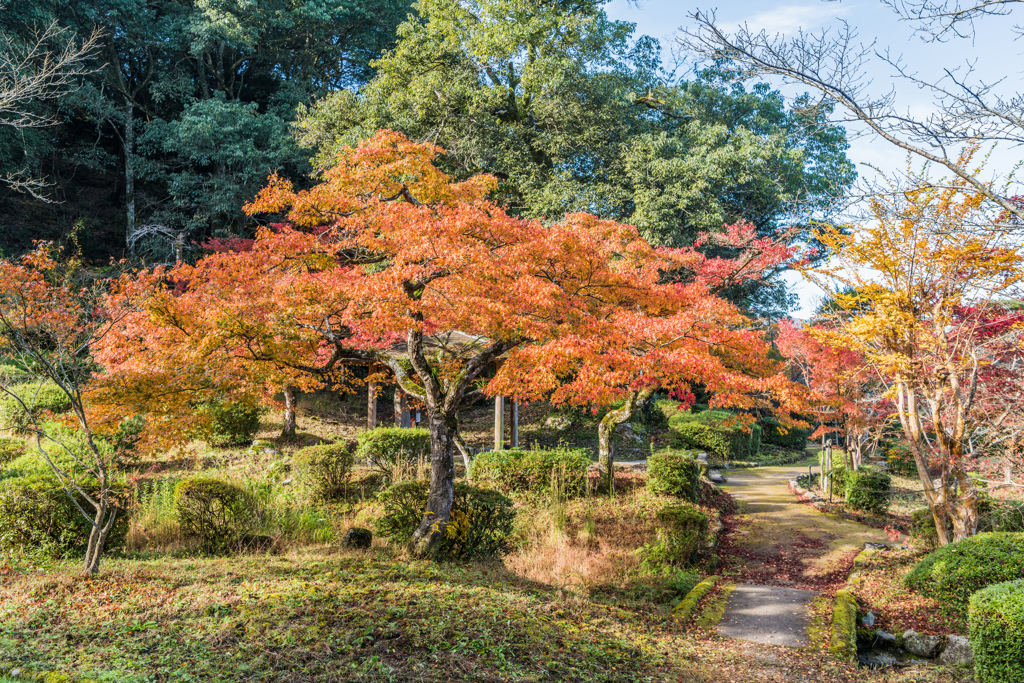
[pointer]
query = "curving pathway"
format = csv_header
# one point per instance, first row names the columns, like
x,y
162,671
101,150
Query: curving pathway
x,y
781,554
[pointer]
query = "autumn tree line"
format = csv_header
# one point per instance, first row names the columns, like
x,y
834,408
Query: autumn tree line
x,y
531,178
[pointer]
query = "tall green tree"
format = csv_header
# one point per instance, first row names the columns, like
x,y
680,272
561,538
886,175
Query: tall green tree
x,y
573,113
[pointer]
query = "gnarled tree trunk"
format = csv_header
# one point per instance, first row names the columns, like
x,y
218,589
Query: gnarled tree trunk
x,y
635,401
442,485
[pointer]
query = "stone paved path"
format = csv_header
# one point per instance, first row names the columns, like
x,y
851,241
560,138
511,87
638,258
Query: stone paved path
x,y
781,552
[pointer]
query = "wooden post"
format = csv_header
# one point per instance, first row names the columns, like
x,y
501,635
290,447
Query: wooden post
x,y
499,423
371,404
515,424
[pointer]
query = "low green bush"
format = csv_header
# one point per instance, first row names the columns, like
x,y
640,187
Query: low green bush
x,y
481,520
675,473
996,621
37,516
38,397
232,423
10,448
532,469
774,434
716,431
217,513
953,572
12,374
900,460
325,470
390,448
868,489
681,533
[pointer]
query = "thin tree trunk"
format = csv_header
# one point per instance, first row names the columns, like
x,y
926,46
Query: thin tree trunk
x,y
129,169
290,401
442,485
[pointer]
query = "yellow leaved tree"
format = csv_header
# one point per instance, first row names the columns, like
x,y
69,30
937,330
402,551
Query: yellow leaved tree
x,y
930,302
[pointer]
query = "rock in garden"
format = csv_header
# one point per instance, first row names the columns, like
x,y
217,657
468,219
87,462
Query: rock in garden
x,y
921,645
357,538
868,619
875,546
958,652
703,457
716,477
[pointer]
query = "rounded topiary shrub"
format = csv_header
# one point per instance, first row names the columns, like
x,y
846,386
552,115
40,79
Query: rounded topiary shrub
x,y
37,516
867,489
535,469
325,470
481,520
952,573
217,513
681,533
675,473
232,423
10,449
388,449
38,397
996,619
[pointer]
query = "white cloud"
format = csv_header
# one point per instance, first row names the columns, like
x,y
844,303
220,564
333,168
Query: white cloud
x,y
788,19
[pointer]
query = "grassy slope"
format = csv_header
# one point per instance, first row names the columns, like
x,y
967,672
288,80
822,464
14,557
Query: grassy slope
x,y
324,617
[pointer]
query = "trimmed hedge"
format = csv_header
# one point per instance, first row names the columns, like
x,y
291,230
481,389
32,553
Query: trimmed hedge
x,y
681,533
772,435
996,620
710,430
217,513
533,469
867,489
325,470
39,397
388,447
480,525
37,515
674,473
952,573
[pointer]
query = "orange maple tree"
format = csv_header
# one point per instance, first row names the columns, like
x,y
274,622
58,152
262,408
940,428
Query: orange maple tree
x,y
388,260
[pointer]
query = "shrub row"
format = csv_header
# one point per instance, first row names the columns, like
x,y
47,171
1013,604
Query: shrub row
x,y
715,431
532,470
775,434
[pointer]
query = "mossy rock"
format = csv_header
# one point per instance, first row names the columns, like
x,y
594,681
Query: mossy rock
x,y
844,627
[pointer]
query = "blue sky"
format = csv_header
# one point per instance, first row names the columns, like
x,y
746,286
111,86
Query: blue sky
x,y
993,52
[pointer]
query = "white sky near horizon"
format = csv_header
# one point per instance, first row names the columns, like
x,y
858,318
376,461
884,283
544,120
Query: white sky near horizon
x,y
994,53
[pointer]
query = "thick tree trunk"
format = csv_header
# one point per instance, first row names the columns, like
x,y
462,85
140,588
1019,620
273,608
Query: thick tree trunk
x,y
964,515
102,523
290,401
442,485
635,400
